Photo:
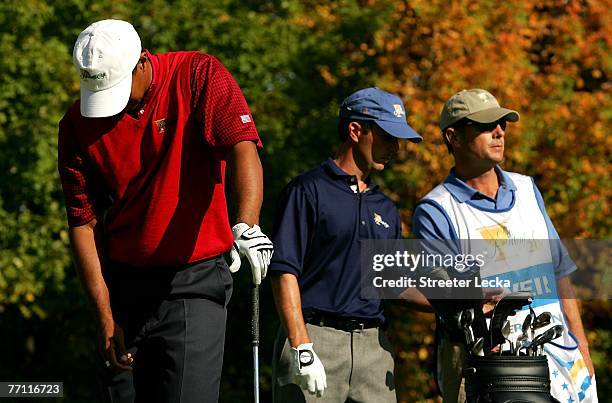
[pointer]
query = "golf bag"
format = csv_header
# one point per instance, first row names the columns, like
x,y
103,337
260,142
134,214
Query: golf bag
x,y
507,379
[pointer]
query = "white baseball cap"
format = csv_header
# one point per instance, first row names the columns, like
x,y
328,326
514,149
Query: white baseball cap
x,y
105,55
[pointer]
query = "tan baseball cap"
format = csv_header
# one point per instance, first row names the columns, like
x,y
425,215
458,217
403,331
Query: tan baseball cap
x,y
477,105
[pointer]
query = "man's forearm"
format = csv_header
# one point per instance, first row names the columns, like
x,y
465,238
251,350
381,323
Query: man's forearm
x,y
289,306
417,300
572,314
89,269
247,181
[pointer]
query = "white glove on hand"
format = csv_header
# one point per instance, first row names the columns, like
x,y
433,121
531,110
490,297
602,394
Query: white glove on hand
x,y
253,244
308,369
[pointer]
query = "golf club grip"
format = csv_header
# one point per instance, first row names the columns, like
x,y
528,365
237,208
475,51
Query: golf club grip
x,y
255,315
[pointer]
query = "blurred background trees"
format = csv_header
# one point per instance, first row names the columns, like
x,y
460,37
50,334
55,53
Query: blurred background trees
x,y
296,61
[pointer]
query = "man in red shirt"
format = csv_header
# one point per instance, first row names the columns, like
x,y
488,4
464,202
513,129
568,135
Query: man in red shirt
x,y
142,158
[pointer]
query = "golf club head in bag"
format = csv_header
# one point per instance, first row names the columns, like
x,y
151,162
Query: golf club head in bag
x,y
507,306
549,335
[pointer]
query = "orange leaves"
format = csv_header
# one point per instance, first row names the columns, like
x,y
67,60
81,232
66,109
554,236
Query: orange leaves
x,y
327,75
303,20
550,60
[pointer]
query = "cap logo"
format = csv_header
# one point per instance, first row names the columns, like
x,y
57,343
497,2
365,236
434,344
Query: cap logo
x,y
484,97
245,118
398,110
86,76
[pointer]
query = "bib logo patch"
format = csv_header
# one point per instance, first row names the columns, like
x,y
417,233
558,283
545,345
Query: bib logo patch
x,y
495,232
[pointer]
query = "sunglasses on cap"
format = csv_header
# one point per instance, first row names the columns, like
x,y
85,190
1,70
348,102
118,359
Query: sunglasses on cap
x,y
485,127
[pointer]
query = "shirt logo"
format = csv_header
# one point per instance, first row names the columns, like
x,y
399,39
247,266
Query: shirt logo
x,y
379,221
161,125
398,110
245,118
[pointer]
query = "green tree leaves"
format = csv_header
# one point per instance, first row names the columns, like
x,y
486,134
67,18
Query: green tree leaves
x,y
296,61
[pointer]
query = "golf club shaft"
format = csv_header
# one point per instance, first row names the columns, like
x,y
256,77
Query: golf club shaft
x,y
256,372
255,340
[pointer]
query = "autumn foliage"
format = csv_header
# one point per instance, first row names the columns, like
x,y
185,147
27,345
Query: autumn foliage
x,y
296,60
549,60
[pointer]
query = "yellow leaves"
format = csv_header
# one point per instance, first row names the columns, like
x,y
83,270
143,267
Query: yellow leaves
x,y
405,355
549,164
63,234
327,75
17,262
426,64
25,312
364,47
325,12
392,44
596,73
303,20
559,208
549,61
587,168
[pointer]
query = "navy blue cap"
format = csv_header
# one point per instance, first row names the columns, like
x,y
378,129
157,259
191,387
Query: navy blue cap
x,y
385,109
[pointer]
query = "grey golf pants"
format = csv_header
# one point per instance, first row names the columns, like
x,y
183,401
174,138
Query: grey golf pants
x,y
358,365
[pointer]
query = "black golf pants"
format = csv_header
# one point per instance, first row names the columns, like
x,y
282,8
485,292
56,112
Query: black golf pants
x,y
177,340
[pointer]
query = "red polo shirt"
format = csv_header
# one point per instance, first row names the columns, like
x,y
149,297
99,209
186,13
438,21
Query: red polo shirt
x,y
156,180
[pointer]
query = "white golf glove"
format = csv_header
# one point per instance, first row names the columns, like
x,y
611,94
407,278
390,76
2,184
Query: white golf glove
x,y
253,244
308,370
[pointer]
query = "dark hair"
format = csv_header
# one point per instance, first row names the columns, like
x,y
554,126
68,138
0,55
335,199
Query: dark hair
x,y
458,126
344,123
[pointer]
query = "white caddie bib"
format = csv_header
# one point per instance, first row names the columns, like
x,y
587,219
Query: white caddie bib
x,y
519,251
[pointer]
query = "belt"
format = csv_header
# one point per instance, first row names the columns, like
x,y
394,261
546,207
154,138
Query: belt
x,y
343,323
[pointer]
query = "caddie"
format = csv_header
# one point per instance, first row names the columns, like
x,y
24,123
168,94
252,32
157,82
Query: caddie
x,y
331,346
142,159
480,201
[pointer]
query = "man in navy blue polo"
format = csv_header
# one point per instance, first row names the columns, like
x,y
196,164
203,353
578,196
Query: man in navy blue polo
x,y
479,200
330,347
